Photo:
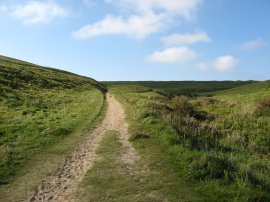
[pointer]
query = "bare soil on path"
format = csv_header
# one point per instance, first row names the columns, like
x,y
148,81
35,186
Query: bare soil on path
x,y
61,185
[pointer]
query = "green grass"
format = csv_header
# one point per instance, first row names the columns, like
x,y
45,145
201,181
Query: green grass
x,y
220,144
150,179
185,87
16,76
210,146
44,112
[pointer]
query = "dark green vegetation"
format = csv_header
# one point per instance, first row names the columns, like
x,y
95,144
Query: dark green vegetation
x,y
218,145
41,108
185,87
149,179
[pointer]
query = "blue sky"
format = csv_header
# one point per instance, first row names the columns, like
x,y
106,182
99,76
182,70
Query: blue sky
x,y
141,39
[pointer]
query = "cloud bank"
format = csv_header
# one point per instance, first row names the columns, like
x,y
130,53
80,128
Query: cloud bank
x,y
135,26
146,17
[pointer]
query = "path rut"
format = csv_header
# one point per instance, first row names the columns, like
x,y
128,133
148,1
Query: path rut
x,y
70,173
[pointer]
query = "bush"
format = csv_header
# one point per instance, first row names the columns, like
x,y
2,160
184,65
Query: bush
x,y
181,106
198,135
212,166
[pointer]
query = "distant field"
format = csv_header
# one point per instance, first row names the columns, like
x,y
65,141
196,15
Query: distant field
x,y
185,87
41,108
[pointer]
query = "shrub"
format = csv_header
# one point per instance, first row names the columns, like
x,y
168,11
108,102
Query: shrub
x,y
198,135
181,106
212,166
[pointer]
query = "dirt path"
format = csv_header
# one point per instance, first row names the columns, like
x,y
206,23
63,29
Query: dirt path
x,y
71,172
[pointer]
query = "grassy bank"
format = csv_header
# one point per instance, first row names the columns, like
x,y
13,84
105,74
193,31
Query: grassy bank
x,y
44,113
219,146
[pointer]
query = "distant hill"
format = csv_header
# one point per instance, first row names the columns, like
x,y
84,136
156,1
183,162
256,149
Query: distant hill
x,y
16,74
186,87
257,87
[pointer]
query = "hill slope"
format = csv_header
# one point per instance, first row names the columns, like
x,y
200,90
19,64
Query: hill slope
x,y
17,75
249,95
39,108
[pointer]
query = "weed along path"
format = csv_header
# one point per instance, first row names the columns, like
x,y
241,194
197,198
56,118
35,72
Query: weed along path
x,y
64,182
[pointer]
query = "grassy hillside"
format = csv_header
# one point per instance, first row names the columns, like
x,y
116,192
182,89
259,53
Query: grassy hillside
x,y
19,75
39,108
185,87
218,145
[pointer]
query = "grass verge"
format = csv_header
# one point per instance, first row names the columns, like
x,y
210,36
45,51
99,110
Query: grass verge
x,y
52,149
150,179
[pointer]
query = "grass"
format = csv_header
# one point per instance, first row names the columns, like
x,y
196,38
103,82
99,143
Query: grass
x,y
185,87
150,179
44,113
220,144
198,141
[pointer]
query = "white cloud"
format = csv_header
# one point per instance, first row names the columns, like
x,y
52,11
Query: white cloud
x,y
173,7
173,55
3,8
36,12
223,64
146,17
185,39
135,26
252,45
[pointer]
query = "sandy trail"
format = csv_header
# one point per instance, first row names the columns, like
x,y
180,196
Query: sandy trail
x,y
70,173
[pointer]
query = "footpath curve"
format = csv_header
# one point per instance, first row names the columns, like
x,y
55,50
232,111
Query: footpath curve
x,y
70,173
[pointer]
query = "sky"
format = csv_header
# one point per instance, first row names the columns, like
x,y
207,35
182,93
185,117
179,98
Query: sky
x,y
121,40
